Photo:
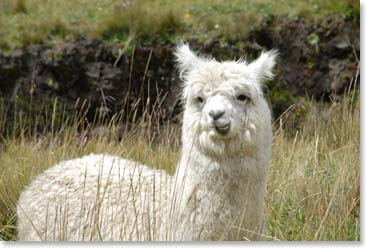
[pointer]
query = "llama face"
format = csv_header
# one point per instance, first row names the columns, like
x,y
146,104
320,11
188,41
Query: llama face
x,y
221,108
222,112
224,103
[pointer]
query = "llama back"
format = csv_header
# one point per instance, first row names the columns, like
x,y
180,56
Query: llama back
x,y
96,197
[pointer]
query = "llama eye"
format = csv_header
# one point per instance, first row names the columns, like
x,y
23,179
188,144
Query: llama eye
x,y
242,97
200,99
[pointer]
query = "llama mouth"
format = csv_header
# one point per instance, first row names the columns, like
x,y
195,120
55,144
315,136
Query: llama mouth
x,y
223,129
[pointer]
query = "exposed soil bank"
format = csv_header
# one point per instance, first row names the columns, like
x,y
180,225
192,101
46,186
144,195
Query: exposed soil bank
x,y
318,59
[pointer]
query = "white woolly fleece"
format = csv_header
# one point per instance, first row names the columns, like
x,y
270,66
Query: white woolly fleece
x,y
217,192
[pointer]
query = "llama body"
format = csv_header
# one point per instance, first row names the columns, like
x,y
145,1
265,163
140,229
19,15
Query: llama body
x,y
93,198
216,193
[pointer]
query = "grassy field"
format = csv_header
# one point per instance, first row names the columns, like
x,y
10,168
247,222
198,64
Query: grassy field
x,y
27,22
313,190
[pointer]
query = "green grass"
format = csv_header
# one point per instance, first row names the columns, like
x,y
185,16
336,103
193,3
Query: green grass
x,y
314,180
313,189
27,22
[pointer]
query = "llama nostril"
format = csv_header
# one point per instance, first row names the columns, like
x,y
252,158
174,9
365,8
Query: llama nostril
x,y
216,114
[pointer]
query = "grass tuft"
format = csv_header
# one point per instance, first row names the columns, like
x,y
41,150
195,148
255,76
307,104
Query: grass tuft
x,y
159,20
20,7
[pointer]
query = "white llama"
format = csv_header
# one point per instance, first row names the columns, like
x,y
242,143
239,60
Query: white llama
x,y
216,193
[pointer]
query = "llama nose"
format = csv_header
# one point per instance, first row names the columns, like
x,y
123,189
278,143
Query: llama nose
x,y
216,114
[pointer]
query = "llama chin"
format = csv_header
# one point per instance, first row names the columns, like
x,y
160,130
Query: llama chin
x,y
216,193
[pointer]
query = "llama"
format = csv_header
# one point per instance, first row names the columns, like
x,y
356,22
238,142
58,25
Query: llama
x,y
216,193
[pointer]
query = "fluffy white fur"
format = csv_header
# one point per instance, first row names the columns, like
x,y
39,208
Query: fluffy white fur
x,y
217,192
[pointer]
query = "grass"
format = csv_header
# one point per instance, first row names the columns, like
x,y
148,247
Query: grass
x,y
313,189
24,23
314,180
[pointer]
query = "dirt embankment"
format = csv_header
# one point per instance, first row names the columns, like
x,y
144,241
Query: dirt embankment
x,y
318,59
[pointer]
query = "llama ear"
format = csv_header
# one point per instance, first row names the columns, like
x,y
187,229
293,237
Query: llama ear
x,y
263,66
185,58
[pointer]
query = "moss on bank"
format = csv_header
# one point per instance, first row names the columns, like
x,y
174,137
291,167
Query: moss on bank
x,y
24,23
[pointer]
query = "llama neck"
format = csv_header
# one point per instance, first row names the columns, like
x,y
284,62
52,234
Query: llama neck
x,y
196,168
215,188
209,192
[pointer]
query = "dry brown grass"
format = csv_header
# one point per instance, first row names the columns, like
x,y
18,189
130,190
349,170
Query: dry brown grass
x,y
313,189
314,179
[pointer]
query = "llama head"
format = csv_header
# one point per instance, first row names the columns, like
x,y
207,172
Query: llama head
x,y
224,105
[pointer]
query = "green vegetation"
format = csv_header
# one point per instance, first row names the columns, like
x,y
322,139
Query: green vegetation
x,y
314,180
27,22
313,189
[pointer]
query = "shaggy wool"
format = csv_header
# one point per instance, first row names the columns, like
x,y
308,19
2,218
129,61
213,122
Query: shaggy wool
x,y
216,193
